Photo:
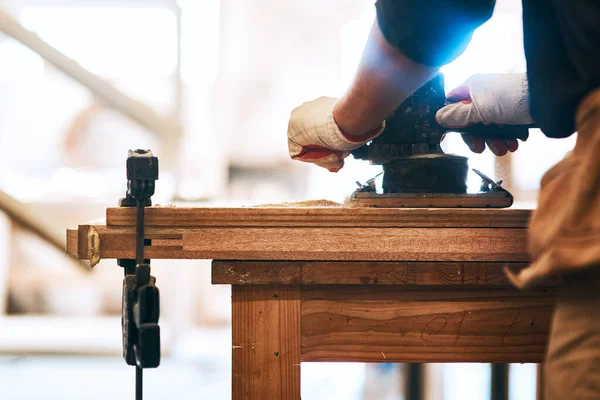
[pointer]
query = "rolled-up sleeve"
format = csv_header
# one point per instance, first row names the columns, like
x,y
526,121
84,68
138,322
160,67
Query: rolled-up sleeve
x,y
431,32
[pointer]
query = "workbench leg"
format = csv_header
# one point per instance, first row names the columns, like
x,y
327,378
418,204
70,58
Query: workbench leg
x,y
540,382
266,342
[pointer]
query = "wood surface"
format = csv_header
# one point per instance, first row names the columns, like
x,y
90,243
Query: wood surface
x,y
73,242
321,217
304,243
266,342
401,324
445,274
431,200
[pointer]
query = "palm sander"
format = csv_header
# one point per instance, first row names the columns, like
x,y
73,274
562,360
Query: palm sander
x,y
416,172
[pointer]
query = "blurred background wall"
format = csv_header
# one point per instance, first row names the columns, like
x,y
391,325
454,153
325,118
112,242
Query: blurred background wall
x,y
229,72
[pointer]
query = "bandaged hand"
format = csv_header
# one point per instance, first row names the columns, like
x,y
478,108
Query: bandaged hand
x,y
501,99
314,136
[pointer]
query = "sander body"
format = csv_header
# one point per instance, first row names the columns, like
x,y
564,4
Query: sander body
x,y
416,172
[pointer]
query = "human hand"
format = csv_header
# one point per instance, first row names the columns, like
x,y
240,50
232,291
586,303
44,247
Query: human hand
x,y
314,136
493,99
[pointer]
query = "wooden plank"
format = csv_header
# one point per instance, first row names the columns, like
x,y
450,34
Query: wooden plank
x,y
353,244
362,273
409,244
321,217
431,200
266,342
400,324
231,272
72,242
83,245
6,237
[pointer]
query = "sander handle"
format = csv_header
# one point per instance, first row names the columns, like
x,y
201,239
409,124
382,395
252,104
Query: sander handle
x,y
520,132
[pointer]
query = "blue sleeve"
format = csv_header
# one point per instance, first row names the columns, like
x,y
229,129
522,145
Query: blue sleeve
x,y
431,32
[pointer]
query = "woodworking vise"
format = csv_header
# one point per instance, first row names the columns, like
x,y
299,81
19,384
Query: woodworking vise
x,y
141,302
416,172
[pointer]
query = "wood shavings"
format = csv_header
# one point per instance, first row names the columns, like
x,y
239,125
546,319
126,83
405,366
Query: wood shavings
x,y
305,203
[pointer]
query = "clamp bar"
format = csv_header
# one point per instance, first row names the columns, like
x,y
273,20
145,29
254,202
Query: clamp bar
x,y
141,303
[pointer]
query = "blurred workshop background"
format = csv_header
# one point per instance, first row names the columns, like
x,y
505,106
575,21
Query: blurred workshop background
x,y
222,77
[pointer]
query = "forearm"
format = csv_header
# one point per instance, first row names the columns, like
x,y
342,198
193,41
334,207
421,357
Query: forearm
x,y
385,77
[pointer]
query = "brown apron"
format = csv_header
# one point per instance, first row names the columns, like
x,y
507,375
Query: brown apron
x,y
564,240
564,232
572,368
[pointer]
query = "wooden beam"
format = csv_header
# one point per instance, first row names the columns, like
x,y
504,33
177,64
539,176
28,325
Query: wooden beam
x,y
100,87
400,324
266,342
445,274
6,232
322,217
303,243
73,242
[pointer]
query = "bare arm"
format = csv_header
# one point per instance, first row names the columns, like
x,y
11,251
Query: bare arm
x,y
324,131
385,77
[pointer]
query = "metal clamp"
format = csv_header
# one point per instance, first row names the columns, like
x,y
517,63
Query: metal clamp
x,y
369,186
141,301
487,183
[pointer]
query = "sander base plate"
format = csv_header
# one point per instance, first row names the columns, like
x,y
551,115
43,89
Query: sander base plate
x,y
492,199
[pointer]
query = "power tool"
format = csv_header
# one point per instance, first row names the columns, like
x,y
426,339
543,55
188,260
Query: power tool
x,y
416,172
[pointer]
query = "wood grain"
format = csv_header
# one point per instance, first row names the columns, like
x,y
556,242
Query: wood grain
x,y
72,242
399,324
266,342
289,243
409,244
446,274
431,200
321,217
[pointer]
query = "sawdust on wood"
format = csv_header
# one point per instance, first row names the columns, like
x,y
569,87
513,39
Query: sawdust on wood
x,y
305,203
350,203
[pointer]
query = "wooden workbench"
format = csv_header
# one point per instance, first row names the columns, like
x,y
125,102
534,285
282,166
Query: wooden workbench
x,y
338,284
